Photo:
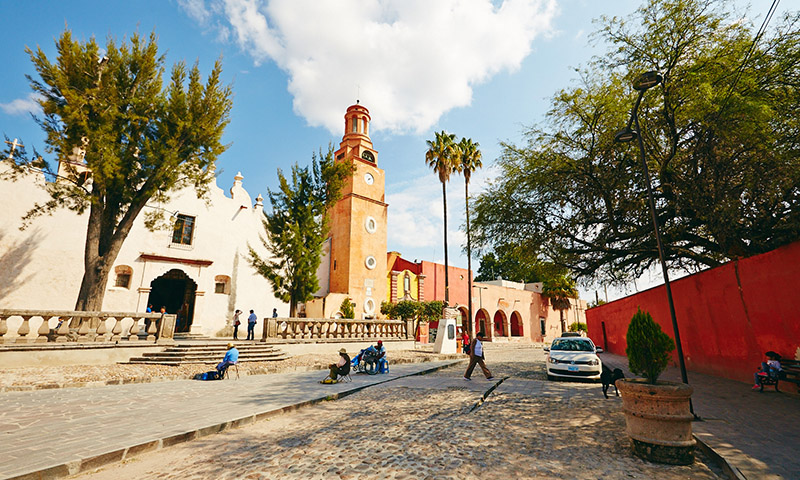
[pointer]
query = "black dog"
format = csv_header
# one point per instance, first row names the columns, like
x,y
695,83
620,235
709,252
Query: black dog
x,y
609,377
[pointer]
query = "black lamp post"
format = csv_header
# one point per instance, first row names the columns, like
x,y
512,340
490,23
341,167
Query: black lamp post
x,y
642,84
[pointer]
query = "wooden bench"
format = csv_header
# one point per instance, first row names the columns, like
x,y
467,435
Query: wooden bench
x,y
790,372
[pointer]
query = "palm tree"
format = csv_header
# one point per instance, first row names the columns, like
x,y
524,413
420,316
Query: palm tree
x,y
469,160
560,290
440,155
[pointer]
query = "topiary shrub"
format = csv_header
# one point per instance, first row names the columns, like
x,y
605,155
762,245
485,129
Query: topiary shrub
x,y
578,327
648,347
347,308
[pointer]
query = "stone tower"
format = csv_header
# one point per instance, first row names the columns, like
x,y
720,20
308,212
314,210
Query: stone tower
x,y
358,221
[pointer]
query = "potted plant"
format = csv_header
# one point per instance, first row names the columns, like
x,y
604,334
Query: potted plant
x,y
657,413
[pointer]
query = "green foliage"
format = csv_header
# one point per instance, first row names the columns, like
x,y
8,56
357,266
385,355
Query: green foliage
x,y
138,140
578,327
648,348
516,263
347,308
297,226
406,309
431,311
723,157
387,309
560,290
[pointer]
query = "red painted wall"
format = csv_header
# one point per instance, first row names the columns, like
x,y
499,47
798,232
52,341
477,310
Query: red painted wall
x,y
727,316
458,278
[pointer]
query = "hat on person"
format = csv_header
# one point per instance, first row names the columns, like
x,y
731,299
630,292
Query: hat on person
x,y
230,345
380,342
343,350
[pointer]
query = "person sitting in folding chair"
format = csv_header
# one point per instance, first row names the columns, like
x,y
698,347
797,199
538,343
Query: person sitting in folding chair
x,y
231,357
339,369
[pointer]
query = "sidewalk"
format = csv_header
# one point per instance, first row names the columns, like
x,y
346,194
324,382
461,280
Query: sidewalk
x,y
55,433
757,433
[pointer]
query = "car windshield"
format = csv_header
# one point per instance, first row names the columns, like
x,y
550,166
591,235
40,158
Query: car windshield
x,y
571,345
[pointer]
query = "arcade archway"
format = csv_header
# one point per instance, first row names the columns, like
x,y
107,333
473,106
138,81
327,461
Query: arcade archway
x,y
500,324
174,291
516,324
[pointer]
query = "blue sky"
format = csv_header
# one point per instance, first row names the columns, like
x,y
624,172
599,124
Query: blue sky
x,y
477,68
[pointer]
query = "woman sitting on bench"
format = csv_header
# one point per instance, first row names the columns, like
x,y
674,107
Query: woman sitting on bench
x,y
770,368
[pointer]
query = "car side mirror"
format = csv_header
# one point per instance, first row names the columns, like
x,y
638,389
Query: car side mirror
x,y
599,349
546,349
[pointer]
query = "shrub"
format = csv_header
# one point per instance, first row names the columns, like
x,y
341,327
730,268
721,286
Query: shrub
x,y
347,308
578,327
387,309
648,347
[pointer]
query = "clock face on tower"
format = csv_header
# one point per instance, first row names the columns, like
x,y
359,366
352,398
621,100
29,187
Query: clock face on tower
x,y
368,178
368,156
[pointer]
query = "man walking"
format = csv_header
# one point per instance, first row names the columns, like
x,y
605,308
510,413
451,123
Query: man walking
x,y
251,326
476,357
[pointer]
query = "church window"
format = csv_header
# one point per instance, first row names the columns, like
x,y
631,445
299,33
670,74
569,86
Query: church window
x,y
407,284
355,124
222,284
184,230
368,156
370,262
123,276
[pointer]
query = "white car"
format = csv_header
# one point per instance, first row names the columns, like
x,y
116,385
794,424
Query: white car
x,y
573,357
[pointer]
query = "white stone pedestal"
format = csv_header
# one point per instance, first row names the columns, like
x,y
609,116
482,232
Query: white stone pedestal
x,y
446,336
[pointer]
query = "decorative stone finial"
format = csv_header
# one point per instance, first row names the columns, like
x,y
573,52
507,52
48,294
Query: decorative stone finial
x,y
259,201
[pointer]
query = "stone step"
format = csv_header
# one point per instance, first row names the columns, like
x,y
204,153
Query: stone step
x,y
212,352
150,361
188,357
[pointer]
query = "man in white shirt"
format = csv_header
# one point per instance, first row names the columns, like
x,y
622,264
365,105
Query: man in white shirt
x,y
476,358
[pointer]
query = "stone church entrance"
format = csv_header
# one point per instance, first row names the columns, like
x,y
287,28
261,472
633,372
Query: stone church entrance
x,y
174,291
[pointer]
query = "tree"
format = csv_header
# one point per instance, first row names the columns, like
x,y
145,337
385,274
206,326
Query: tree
x,y
516,263
560,291
137,141
297,226
648,347
441,158
347,308
469,160
721,143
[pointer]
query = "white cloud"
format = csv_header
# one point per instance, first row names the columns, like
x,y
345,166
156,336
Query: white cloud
x,y
409,61
196,9
22,106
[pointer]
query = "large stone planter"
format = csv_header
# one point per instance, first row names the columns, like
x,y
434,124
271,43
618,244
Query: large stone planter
x,y
658,420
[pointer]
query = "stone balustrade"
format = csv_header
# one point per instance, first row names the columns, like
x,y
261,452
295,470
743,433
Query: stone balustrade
x,y
301,329
62,326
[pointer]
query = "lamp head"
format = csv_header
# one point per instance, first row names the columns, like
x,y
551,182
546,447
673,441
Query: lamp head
x,y
647,80
625,135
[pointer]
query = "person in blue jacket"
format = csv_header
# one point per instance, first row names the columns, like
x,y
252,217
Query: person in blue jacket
x,y
231,357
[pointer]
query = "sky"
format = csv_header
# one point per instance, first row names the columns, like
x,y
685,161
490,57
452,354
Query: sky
x,y
477,68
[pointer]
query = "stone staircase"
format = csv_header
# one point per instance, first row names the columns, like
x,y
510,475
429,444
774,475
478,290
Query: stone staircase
x,y
192,353
181,336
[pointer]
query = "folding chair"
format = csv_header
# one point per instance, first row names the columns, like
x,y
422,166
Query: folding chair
x,y
227,370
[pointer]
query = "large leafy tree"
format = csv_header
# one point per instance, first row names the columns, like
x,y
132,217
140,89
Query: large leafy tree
x,y
721,136
515,263
469,160
442,156
134,139
297,226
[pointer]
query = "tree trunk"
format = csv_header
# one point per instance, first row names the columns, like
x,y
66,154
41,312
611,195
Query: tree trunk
x,y
446,268
469,262
563,322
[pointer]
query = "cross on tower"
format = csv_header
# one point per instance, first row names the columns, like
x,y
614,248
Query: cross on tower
x,y
14,146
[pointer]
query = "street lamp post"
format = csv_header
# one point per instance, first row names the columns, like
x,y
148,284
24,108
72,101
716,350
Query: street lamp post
x,y
480,301
642,84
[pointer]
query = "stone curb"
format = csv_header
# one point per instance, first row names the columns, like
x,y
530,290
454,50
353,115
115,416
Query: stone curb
x,y
258,371
723,463
83,465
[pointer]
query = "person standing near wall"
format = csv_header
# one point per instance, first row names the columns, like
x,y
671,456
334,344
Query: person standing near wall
x,y
274,313
476,358
251,326
236,323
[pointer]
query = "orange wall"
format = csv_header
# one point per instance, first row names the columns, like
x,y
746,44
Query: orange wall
x,y
727,316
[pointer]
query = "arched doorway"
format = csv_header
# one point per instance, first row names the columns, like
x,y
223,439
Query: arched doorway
x,y
174,291
482,322
516,325
464,318
500,324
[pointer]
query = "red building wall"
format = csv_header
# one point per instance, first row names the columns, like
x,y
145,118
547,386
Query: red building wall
x,y
458,278
727,316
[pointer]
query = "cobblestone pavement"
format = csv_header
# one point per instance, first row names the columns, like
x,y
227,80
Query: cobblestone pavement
x,y
429,427
756,432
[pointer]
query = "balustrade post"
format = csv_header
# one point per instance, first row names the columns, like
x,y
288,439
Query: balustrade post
x,y
133,333
102,329
151,330
44,330
3,329
24,330
83,330
116,330
62,329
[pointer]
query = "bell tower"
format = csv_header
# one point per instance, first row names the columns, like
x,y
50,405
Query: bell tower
x,y
358,220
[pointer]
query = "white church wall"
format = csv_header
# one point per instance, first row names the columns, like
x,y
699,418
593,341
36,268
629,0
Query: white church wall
x,y
42,267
